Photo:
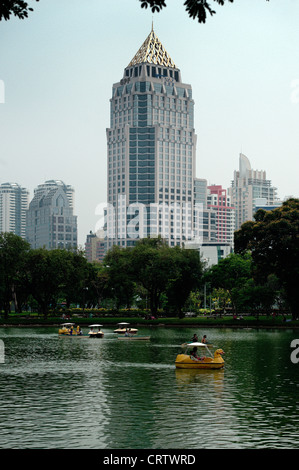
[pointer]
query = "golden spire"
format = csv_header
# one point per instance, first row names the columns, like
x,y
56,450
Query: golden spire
x,y
152,52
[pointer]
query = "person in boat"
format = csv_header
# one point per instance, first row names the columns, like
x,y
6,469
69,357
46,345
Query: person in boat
x,y
204,339
127,333
79,331
195,338
195,355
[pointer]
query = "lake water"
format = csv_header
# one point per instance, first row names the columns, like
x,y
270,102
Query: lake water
x,y
69,392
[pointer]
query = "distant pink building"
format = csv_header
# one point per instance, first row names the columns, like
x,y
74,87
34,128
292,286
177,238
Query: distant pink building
x,y
218,199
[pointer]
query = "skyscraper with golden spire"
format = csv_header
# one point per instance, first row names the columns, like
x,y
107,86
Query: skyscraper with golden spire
x,y
151,145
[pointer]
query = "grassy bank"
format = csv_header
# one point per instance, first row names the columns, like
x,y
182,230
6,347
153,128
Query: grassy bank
x,y
225,321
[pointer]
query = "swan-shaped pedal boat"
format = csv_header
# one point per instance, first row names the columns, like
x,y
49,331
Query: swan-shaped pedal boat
x,y
191,360
67,329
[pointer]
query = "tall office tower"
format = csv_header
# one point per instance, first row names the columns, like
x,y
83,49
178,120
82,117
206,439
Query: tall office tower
x,y
220,201
14,201
247,186
50,220
151,147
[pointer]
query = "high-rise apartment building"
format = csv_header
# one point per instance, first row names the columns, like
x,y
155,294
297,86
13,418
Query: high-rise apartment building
x,y
151,146
94,247
247,186
220,202
14,201
50,220
215,243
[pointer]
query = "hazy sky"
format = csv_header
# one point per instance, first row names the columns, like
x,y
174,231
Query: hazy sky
x,y
59,65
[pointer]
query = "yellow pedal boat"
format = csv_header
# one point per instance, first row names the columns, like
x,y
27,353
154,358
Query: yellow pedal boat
x,y
69,330
190,360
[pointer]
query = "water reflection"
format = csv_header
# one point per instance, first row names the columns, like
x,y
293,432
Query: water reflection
x,y
76,392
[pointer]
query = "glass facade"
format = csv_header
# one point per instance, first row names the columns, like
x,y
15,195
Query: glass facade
x,y
142,165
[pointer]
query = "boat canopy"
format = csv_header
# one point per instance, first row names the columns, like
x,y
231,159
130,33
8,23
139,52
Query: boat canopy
x,y
67,324
196,345
96,325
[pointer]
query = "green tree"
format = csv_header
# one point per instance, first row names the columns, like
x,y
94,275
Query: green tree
x,y
231,274
196,9
153,266
47,273
118,268
254,298
18,8
13,254
221,298
77,277
98,289
273,241
187,276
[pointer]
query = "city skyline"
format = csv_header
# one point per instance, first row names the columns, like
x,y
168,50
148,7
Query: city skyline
x,y
58,66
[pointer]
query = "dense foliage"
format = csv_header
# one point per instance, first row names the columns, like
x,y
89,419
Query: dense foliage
x,y
196,9
262,274
18,8
273,241
149,274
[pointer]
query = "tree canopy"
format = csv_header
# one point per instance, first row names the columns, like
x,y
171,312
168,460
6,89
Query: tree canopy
x,y
273,241
18,8
151,272
196,9
152,269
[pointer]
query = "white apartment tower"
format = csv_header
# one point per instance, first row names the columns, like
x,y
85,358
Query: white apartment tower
x,y
248,186
14,201
220,202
